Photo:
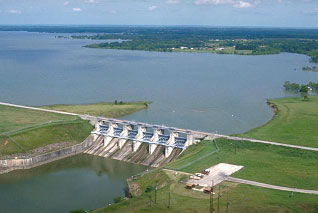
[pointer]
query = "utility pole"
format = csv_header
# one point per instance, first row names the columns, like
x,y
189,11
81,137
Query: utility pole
x,y
219,197
227,203
210,210
156,194
212,196
238,147
169,199
150,200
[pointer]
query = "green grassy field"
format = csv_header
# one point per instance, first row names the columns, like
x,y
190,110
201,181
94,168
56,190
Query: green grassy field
x,y
13,118
263,163
71,132
102,109
295,123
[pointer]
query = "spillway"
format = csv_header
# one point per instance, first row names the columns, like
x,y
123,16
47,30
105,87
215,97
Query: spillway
x,y
138,144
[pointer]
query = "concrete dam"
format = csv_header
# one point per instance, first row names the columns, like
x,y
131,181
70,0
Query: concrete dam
x,y
138,143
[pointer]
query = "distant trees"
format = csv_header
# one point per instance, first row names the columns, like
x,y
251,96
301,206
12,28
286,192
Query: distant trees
x,y
120,102
291,86
302,89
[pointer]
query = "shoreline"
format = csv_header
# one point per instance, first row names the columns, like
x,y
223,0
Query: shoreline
x,y
275,111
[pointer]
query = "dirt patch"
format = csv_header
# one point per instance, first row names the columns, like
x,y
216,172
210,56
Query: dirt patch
x,y
135,189
6,143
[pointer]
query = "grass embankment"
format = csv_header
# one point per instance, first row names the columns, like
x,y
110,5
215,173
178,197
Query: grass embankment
x,y
24,131
295,122
102,109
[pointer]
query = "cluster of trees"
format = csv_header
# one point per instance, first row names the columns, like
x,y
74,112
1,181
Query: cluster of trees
x,y
120,102
303,89
312,69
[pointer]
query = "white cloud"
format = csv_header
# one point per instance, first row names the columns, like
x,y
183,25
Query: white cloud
x,y
66,3
152,8
77,9
14,11
216,2
233,3
91,1
243,4
172,1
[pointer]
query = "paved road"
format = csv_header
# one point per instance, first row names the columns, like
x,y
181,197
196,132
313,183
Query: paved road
x,y
38,109
269,142
180,172
264,185
205,134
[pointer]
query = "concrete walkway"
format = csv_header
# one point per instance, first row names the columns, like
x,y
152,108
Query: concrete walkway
x,y
209,135
264,185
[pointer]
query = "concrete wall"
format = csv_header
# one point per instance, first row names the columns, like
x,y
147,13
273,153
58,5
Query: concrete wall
x,y
14,164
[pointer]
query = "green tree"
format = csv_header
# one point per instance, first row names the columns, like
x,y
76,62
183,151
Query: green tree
x,y
304,91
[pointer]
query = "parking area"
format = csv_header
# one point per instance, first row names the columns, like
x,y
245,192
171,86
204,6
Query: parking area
x,y
214,175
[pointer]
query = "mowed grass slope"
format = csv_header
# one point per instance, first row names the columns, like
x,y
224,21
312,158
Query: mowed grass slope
x,y
102,109
262,163
12,118
72,132
23,130
296,122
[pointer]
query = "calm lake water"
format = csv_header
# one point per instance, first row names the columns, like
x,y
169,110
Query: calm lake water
x,y
216,93
83,181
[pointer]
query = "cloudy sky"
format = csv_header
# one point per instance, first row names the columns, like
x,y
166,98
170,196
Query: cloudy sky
x,y
276,13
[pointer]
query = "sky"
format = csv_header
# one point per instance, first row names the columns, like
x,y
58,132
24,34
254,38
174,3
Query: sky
x,y
263,13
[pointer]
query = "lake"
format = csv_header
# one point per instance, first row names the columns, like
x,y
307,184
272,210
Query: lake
x,y
216,93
